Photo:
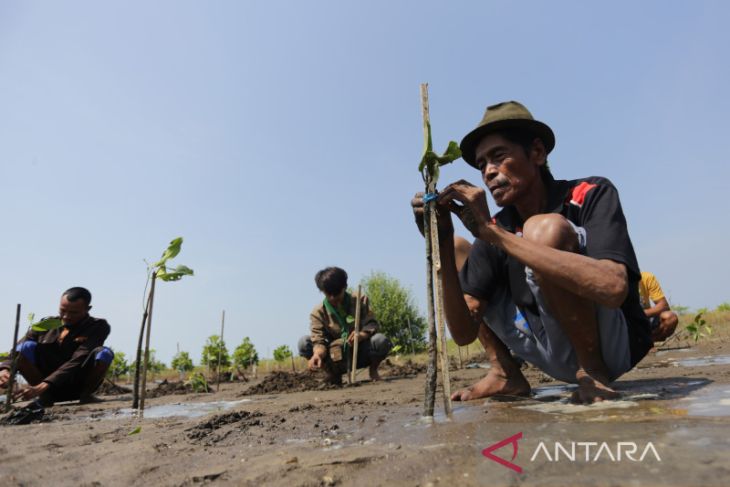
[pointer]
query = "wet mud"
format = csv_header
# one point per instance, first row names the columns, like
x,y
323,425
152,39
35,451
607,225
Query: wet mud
x,y
166,388
292,429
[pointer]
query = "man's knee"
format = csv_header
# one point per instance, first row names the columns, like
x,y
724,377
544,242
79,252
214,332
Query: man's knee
x,y
552,230
669,318
104,356
380,346
27,351
305,347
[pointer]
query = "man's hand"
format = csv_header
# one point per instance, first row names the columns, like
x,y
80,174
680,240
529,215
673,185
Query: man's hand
x,y
446,227
31,392
361,337
4,378
315,362
473,210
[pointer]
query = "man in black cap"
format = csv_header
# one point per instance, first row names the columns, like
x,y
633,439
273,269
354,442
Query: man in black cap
x,y
552,277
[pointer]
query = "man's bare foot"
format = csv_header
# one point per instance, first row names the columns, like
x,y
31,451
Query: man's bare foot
x,y
592,387
493,384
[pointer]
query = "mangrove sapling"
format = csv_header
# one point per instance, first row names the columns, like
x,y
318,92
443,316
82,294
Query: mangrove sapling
x,y
282,353
429,168
155,271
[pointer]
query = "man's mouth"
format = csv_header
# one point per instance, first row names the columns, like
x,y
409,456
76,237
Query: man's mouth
x,y
498,189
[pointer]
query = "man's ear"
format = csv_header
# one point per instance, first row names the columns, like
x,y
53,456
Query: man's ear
x,y
538,154
88,307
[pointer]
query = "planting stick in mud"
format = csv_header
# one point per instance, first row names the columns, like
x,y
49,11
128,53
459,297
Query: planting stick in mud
x,y
143,392
138,361
356,338
430,186
429,168
439,305
220,350
13,363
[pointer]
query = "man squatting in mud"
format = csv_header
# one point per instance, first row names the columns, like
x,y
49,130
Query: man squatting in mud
x,y
65,363
332,334
553,277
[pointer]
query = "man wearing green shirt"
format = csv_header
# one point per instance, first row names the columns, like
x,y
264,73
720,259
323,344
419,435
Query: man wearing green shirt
x,y
332,330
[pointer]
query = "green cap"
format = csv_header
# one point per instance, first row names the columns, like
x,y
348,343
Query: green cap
x,y
505,115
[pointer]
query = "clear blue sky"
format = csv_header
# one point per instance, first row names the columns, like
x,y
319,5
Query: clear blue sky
x,y
282,137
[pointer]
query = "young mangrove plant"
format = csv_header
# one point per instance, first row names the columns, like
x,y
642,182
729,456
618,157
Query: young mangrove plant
x,y
430,168
158,270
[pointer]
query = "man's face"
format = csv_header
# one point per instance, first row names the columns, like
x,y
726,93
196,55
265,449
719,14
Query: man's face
x,y
72,313
509,172
335,299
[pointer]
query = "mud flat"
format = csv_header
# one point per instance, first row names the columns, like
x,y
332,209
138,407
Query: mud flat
x,y
297,432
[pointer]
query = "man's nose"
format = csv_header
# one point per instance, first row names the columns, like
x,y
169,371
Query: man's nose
x,y
490,172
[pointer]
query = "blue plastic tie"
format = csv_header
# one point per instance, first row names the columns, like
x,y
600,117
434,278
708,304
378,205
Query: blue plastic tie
x,y
429,197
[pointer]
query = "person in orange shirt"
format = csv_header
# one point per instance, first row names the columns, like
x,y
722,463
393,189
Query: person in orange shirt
x,y
663,320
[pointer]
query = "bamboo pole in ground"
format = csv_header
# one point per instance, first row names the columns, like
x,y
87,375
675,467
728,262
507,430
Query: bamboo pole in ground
x,y
138,360
143,391
13,363
439,305
220,351
356,338
428,404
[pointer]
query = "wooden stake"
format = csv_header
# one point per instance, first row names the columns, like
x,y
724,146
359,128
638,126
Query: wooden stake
x,y
428,404
138,361
356,338
13,363
440,321
220,351
143,392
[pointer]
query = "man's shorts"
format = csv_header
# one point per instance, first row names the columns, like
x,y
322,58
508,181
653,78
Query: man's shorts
x,y
539,339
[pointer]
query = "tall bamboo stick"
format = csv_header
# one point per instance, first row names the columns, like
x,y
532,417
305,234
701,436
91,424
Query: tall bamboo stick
x,y
430,397
220,352
143,392
13,363
356,338
138,360
440,322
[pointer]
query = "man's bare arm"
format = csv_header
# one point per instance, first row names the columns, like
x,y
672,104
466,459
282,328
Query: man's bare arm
x,y
659,307
600,280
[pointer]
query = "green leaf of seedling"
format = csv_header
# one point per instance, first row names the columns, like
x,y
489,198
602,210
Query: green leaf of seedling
x,y
135,431
350,319
47,324
174,274
453,152
172,250
431,161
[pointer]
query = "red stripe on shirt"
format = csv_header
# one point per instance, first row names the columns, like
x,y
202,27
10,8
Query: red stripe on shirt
x,y
579,193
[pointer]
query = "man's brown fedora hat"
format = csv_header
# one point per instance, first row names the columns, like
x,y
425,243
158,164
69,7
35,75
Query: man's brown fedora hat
x,y
506,115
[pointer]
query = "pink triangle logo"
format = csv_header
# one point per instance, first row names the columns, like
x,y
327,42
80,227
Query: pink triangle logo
x,y
487,452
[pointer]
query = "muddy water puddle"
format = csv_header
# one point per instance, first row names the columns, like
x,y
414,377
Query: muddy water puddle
x,y
704,361
713,400
184,410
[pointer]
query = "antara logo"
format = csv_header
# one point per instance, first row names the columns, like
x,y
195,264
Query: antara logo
x,y
487,452
574,451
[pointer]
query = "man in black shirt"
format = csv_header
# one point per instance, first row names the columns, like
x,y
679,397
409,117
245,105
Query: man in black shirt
x,y
67,362
551,277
